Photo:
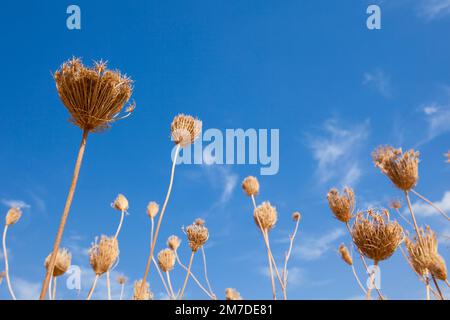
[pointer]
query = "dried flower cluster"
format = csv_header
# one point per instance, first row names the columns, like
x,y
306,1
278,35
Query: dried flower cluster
x,y
166,259
185,129
120,203
343,205
173,242
250,186
102,255
197,234
152,209
232,294
146,293
345,254
63,261
265,216
13,216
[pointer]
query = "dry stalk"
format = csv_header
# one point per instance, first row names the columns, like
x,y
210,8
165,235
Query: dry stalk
x,y
431,204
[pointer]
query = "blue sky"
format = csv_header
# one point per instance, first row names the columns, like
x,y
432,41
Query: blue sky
x,y
311,69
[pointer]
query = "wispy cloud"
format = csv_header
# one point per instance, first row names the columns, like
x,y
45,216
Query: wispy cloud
x,y
379,81
15,203
26,290
432,9
315,247
423,209
296,275
336,151
438,119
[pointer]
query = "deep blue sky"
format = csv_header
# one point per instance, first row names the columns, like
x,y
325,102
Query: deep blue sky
x,y
311,69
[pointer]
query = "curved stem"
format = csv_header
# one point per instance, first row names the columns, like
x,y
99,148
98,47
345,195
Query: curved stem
x,y
187,275
94,284
108,285
54,288
154,261
120,224
416,227
50,288
5,255
288,254
194,278
122,287
172,295
152,247
356,275
404,218
206,272
431,204
65,215
437,287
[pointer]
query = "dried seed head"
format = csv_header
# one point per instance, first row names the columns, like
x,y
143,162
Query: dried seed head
x,y
121,203
185,129
345,254
250,186
166,259
62,263
265,216
2,275
296,216
395,204
343,205
401,167
197,234
232,294
447,155
438,268
152,209
94,96
146,293
375,236
173,242
421,253
121,279
13,216
103,255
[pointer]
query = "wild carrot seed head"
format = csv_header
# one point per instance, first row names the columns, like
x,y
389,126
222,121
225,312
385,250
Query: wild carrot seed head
x,y
166,259
265,216
121,279
395,204
120,203
345,254
13,216
146,293
62,262
185,129
296,216
342,205
102,255
197,234
173,242
447,155
250,186
438,268
402,168
232,294
152,209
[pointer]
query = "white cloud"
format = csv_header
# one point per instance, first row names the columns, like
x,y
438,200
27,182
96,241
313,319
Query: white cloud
x,y
314,247
15,203
432,9
423,209
336,152
438,118
26,290
379,81
296,275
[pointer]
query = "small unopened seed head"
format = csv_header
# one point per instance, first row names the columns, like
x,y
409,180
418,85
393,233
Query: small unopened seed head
x,y
197,234
152,209
265,216
250,186
103,255
342,205
185,129
395,204
438,267
121,279
232,294
13,216
62,262
121,203
2,275
447,155
173,242
146,293
345,254
296,216
166,260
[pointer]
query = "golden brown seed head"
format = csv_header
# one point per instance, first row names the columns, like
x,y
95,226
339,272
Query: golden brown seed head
x,y
197,234
166,259
375,236
342,205
102,255
121,203
13,216
395,204
345,254
296,216
185,129
2,275
93,96
121,279
265,216
146,293
250,186
401,167
232,294
438,268
62,263
152,209
173,242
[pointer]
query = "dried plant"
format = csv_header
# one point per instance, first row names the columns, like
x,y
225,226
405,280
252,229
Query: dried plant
x,y
94,98
447,155
166,261
152,209
250,186
12,216
265,216
2,276
121,280
184,130
232,294
63,261
173,242
342,205
345,254
296,217
139,294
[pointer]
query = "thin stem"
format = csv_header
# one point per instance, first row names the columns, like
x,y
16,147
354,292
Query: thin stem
x,y
272,280
288,254
152,248
427,288
5,255
437,287
50,288
172,295
355,274
120,224
194,277
416,227
372,282
187,275
64,216
94,284
206,272
431,204
54,288
122,287
154,261
108,285
404,218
